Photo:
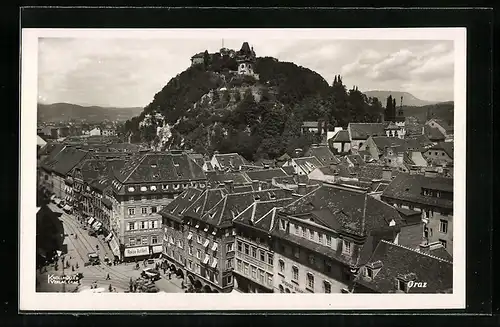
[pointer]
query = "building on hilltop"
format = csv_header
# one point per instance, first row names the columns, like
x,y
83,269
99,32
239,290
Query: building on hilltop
x,y
246,59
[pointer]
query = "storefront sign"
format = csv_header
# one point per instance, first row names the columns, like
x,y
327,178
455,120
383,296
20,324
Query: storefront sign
x,y
157,248
133,252
291,286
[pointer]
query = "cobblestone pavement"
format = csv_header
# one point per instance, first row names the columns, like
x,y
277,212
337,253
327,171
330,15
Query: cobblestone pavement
x,y
77,254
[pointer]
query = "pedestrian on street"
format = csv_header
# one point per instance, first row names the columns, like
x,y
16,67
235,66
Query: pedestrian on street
x,y
107,277
76,265
164,271
72,268
169,275
110,288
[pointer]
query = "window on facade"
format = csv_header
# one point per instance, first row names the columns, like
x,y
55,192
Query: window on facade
x,y
262,255
180,244
190,250
145,240
269,279
144,210
198,253
346,249
270,259
282,266
154,239
443,226
199,239
295,273
239,246
238,264
153,209
282,290
229,263
247,249
254,252
138,240
311,259
246,268
131,211
131,226
299,231
131,241
229,247
443,242
142,225
328,240
254,272
310,281
327,287
311,235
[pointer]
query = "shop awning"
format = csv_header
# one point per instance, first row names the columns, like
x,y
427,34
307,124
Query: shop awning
x,y
115,248
108,238
90,221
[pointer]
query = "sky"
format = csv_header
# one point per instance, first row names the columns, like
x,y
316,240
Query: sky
x,y
129,72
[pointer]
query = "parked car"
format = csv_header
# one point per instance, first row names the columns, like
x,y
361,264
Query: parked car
x,y
94,259
149,288
151,274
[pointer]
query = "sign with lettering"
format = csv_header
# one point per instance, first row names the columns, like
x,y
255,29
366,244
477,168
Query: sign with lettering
x,y
291,286
133,252
157,248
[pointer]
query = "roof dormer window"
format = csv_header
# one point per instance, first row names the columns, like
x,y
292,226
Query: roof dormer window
x,y
144,188
401,285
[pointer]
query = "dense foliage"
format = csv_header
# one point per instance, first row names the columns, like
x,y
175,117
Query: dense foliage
x,y
212,108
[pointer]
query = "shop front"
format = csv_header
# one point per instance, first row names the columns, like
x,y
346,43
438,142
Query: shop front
x,y
137,253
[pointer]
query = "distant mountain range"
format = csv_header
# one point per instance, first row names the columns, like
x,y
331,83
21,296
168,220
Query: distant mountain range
x,y
408,98
66,111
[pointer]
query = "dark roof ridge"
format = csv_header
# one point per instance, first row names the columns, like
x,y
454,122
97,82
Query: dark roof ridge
x,y
416,251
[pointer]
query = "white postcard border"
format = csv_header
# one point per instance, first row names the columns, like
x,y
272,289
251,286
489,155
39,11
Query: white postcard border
x,y
31,300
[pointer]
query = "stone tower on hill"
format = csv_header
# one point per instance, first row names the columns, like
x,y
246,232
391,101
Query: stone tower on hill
x,y
246,60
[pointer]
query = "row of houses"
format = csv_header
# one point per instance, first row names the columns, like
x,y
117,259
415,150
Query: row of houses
x,y
317,223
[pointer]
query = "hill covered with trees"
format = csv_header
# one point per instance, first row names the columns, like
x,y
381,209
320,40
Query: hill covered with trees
x,y
210,107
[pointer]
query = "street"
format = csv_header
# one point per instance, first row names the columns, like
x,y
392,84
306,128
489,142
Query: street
x,y
78,250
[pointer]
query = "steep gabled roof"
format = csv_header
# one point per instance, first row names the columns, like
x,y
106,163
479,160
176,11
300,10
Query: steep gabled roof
x,y
323,154
433,133
408,187
65,160
341,136
181,204
260,215
354,211
307,164
230,160
447,147
215,178
362,131
265,174
394,261
232,204
159,167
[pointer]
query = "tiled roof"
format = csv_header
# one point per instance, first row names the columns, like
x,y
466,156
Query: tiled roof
x,y
265,174
356,159
64,161
288,170
399,144
397,261
158,167
291,179
51,150
354,211
433,133
230,160
408,187
327,170
181,204
261,214
198,158
341,136
283,157
362,131
323,154
232,204
90,169
441,252
447,147
448,128
215,178
307,164
422,140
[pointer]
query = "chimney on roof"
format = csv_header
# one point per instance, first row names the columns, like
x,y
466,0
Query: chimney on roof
x,y
264,185
430,173
229,184
387,174
298,152
301,189
216,152
255,185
